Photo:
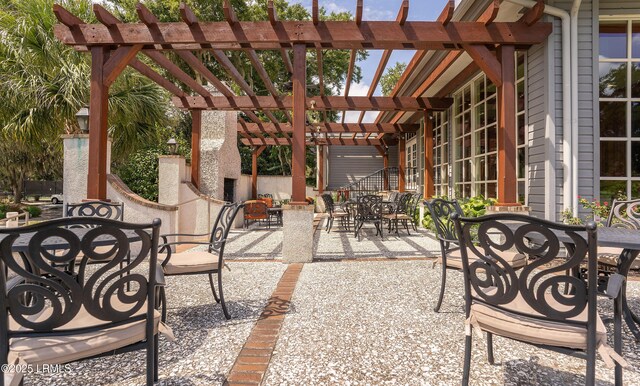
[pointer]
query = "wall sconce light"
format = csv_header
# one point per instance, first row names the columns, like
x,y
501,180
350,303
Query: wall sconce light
x,y
83,119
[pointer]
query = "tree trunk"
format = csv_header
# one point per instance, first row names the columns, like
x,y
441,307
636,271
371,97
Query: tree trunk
x,y
17,185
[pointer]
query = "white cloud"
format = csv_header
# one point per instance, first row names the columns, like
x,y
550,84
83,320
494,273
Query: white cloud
x,y
377,14
334,7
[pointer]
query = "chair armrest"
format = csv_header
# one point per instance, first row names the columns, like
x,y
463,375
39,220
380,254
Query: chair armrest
x,y
614,286
164,237
160,282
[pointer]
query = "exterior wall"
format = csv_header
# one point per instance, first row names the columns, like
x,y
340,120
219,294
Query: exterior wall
x,y
279,186
618,7
347,164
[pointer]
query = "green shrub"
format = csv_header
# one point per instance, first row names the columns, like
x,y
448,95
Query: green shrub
x,y
6,207
140,173
33,210
471,207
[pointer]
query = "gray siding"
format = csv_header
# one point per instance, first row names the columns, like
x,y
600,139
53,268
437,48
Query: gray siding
x,y
536,118
347,164
616,7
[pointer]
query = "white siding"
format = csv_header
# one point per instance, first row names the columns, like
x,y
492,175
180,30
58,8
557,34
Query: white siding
x,y
347,164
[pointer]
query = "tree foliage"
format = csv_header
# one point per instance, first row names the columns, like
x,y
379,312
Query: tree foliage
x,y
44,83
391,77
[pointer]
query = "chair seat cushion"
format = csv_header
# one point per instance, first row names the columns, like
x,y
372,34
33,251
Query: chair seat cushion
x,y
509,324
72,347
611,256
190,262
515,259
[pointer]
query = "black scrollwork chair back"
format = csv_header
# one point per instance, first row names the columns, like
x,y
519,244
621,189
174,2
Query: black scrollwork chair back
x,y
623,214
330,208
399,213
413,210
369,211
441,211
101,209
48,316
209,262
529,305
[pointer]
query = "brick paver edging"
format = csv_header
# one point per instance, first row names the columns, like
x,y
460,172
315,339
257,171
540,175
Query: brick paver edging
x,y
253,360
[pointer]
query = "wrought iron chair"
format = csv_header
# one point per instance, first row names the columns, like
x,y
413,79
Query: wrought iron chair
x,y
451,258
623,214
413,210
528,305
256,210
330,208
369,211
202,262
100,209
50,317
399,213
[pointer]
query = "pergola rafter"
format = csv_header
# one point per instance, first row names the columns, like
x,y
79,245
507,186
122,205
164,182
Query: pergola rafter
x,y
114,45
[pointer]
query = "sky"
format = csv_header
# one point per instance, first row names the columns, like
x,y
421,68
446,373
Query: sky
x,y
419,10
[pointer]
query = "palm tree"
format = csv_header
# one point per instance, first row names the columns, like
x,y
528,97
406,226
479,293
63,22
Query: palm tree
x,y
44,83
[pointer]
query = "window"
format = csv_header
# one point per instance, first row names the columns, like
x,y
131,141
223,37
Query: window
x,y
462,165
619,99
441,153
521,126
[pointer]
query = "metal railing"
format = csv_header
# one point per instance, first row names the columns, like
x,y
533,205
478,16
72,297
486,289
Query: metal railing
x,y
12,221
382,180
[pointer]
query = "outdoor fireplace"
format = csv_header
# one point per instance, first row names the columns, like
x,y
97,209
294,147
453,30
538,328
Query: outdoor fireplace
x,y
229,189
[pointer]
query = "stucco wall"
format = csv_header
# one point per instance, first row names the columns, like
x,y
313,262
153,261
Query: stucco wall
x,y
278,186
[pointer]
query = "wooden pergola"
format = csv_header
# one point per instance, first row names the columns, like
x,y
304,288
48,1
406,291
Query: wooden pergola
x,y
114,45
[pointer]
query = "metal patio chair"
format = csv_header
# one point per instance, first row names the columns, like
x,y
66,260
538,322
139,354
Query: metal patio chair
x,y
209,262
623,214
334,213
399,213
369,210
414,209
451,258
50,317
100,209
528,305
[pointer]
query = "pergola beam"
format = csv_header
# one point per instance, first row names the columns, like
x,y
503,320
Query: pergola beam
x,y
321,103
447,13
413,35
310,142
534,14
487,61
273,20
490,14
326,127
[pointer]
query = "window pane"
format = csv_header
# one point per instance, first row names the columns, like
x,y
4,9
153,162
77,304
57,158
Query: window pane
x,y
613,156
480,121
491,88
480,91
635,159
520,65
612,119
521,129
612,189
492,165
457,103
492,140
467,99
635,39
613,39
635,119
635,189
521,162
480,189
491,191
520,96
635,77
467,123
458,124
467,190
613,80
467,170
521,192
491,110
480,142
467,146
480,169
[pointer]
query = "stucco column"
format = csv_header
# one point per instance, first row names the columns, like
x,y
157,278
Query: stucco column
x,y
297,243
171,172
76,166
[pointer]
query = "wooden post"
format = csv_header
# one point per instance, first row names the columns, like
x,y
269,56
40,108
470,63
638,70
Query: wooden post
x,y
402,162
507,181
196,127
429,182
320,169
98,109
298,146
255,153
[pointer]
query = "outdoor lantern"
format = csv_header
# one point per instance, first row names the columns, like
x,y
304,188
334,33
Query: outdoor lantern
x,y
83,119
173,146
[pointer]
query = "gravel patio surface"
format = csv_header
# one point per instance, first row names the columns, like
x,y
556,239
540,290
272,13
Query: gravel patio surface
x,y
206,344
372,323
